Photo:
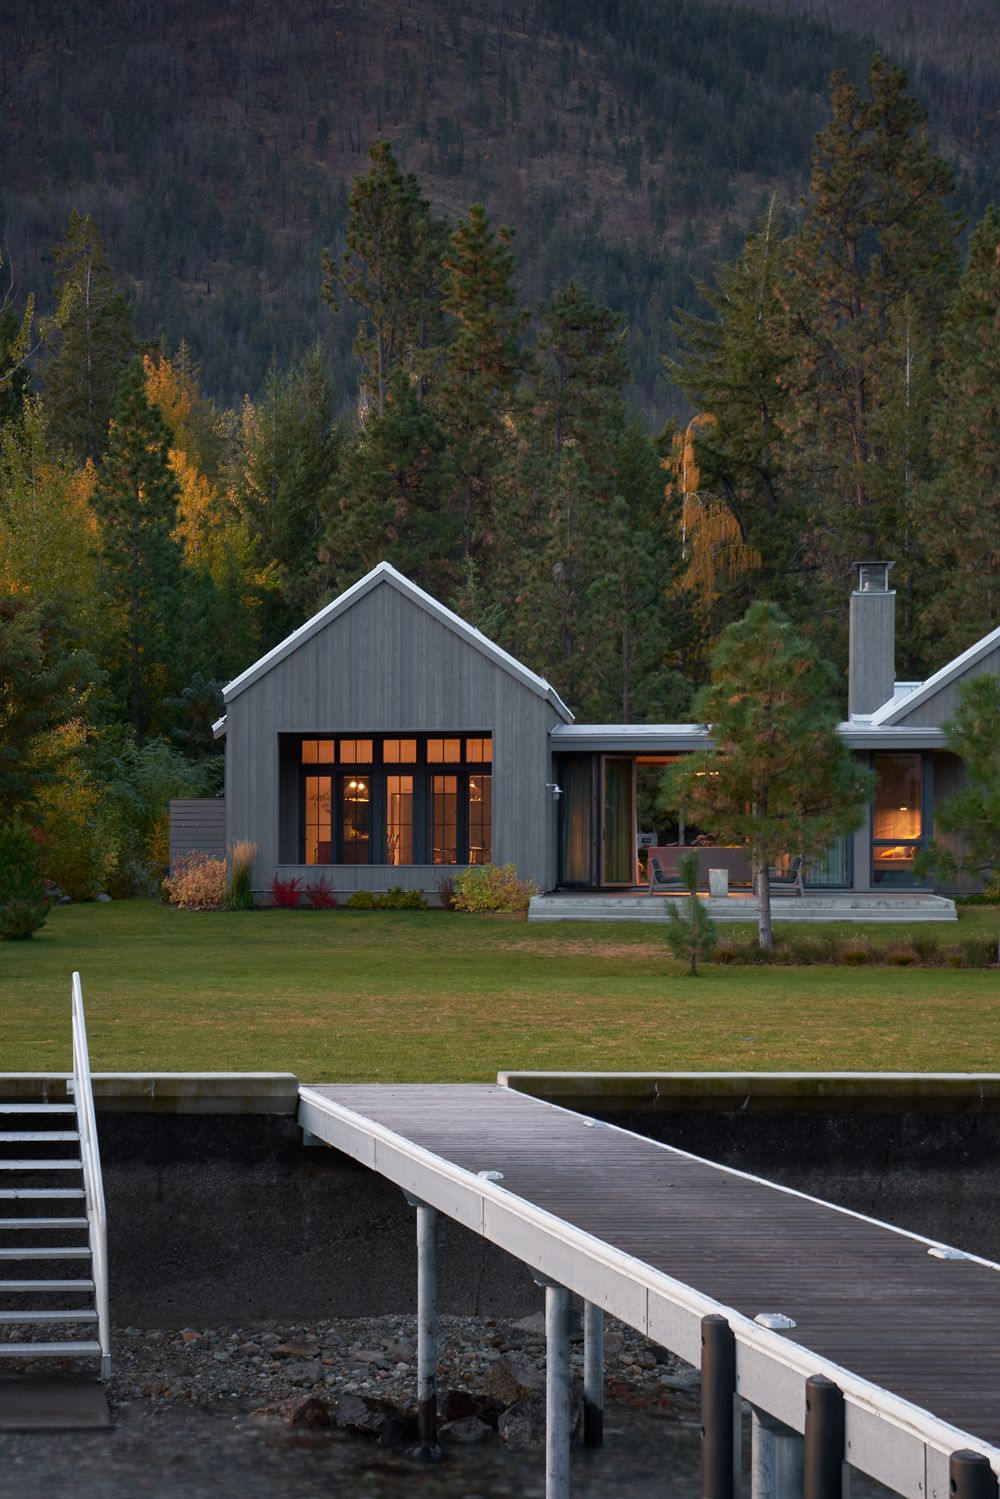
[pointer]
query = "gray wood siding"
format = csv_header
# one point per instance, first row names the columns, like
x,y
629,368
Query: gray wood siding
x,y
941,706
387,666
197,826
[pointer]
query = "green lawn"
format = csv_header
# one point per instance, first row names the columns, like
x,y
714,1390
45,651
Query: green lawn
x,y
408,996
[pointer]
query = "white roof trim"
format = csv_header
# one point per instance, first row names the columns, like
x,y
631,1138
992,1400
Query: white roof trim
x,y
897,708
386,573
219,728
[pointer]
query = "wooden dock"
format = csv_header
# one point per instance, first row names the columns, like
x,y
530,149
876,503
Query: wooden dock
x,y
661,1239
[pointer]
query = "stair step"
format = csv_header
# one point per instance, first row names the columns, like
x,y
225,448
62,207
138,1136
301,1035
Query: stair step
x,y
8,1287
41,1165
82,1349
8,1136
78,1314
22,1194
37,1108
40,1223
50,1252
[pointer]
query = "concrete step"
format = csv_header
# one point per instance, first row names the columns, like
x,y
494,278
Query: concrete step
x,y
61,1314
46,1252
861,908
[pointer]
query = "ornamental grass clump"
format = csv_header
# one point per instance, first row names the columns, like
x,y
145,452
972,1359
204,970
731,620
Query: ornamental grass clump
x,y
239,894
690,933
493,887
198,883
23,906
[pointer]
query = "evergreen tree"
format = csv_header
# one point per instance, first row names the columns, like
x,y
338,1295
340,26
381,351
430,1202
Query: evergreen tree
x,y
389,500
481,368
23,906
778,780
94,339
42,682
733,368
967,826
136,506
868,275
391,269
959,513
291,446
690,933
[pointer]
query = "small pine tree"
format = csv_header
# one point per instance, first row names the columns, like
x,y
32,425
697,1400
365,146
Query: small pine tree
x,y
691,933
23,907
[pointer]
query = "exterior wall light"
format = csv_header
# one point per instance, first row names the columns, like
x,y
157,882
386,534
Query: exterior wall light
x,y
555,789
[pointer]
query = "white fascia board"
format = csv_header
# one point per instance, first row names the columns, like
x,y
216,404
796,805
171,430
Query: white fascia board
x,y
664,738
219,728
385,572
891,712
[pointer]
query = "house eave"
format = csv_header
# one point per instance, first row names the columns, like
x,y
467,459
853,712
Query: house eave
x,y
889,715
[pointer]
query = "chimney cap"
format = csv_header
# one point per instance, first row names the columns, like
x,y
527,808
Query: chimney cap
x,y
872,577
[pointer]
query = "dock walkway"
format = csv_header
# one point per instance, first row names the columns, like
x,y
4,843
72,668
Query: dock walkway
x,y
661,1239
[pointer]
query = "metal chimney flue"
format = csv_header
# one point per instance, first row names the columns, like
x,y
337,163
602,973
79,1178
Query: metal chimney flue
x,y
871,671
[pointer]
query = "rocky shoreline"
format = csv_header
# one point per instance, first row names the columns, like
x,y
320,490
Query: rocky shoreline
x,y
360,1375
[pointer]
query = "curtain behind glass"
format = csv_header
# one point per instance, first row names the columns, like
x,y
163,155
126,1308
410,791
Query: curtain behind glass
x,y
575,823
619,823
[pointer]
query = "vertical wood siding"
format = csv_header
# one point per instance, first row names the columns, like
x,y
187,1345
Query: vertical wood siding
x,y
386,666
939,708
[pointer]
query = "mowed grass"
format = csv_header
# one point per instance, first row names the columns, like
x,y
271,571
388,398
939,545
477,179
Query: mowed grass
x,y
410,996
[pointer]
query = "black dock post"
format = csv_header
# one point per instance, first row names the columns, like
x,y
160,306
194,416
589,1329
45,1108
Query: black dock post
x,y
971,1476
718,1396
823,1458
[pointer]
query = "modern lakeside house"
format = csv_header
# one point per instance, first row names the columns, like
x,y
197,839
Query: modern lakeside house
x,y
387,742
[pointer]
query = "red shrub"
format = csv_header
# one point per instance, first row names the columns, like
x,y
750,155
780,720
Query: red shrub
x,y
320,896
286,893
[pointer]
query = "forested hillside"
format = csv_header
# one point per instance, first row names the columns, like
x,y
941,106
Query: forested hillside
x,y
628,142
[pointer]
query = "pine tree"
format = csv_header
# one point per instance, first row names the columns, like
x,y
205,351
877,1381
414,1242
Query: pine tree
x,y
23,906
959,513
779,779
290,451
868,274
136,506
94,339
482,364
389,499
42,680
391,269
732,370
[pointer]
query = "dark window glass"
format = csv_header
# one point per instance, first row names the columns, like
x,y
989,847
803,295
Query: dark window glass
x,y
319,820
399,819
444,819
355,801
480,819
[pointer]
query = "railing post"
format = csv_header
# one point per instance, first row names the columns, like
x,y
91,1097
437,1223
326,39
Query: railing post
x,y
593,1375
718,1399
823,1457
775,1460
971,1476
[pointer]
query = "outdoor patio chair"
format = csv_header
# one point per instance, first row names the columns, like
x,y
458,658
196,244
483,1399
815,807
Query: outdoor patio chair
x,y
789,878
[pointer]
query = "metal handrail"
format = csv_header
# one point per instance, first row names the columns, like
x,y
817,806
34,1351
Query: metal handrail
x,y
93,1180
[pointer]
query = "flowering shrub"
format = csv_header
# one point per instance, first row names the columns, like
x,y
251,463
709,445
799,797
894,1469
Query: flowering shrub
x,y
286,893
493,887
198,883
320,896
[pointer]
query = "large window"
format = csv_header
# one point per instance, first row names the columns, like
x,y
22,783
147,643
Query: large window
x,y
414,799
897,817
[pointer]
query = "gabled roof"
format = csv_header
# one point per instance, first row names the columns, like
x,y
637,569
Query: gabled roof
x,y
386,575
898,708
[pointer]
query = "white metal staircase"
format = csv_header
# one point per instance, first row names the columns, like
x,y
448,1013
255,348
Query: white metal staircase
x,y
52,1221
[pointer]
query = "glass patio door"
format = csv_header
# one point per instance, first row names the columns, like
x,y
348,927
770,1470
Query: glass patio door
x,y
618,813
